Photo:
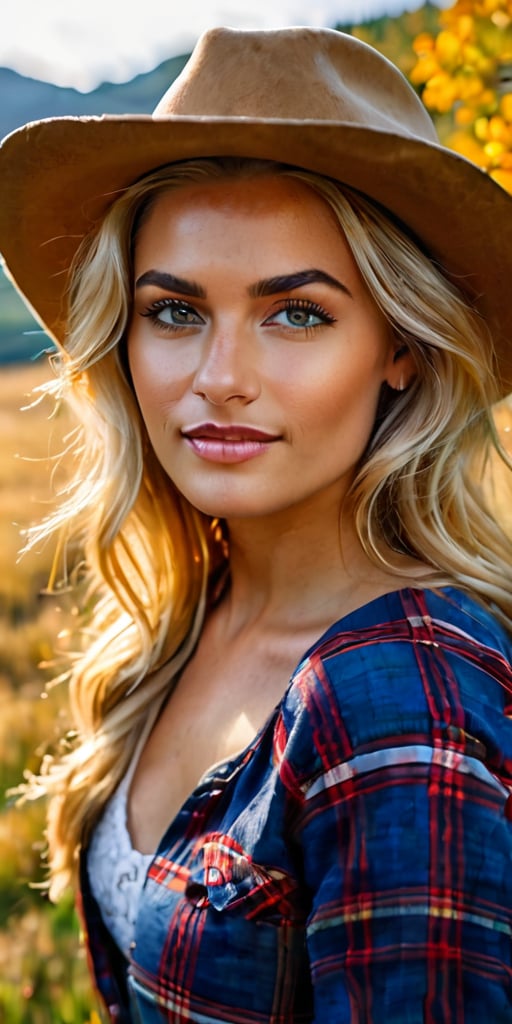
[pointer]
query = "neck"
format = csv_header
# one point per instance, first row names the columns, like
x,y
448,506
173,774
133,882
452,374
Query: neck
x,y
300,567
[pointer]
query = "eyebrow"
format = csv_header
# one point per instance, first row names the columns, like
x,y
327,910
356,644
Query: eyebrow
x,y
267,286
288,282
171,283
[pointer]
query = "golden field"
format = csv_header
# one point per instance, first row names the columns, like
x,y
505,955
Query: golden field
x,y
43,976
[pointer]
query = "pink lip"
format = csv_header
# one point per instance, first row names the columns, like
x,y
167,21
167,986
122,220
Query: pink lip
x,y
233,432
227,444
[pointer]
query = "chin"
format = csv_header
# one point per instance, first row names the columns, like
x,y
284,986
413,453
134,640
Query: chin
x,y
231,506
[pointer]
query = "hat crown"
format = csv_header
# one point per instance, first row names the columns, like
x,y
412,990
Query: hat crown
x,y
303,74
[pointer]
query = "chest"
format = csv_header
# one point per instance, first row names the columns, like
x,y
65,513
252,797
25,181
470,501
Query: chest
x,y
217,707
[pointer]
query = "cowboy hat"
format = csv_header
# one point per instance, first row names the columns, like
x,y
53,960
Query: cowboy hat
x,y
315,98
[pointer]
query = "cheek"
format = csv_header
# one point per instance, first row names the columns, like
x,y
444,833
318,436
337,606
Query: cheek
x,y
338,411
158,379
335,389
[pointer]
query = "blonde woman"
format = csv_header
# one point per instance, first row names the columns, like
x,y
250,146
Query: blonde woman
x,y
288,798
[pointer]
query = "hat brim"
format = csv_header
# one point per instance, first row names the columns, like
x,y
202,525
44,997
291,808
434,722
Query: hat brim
x,y
58,177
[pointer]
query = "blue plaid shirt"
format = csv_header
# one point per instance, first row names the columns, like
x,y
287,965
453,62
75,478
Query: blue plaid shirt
x,y
354,864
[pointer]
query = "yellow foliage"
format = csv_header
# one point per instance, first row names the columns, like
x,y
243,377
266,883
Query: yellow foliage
x,y
488,101
424,69
462,72
423,43
448,49
503,177
465,27
469,88
440,92
464,116
468,147
471,55
480,128
494,151
499,131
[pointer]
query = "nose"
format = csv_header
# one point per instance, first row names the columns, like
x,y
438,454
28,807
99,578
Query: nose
x,y
227,369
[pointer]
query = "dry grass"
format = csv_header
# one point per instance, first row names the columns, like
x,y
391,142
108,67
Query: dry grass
x,y
43,977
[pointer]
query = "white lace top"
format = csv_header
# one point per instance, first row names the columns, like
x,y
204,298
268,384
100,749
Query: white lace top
x,y
116,871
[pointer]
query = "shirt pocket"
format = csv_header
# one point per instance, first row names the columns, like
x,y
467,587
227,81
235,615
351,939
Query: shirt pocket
x,y
224,877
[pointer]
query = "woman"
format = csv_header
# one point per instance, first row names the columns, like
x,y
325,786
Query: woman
x,y
289,795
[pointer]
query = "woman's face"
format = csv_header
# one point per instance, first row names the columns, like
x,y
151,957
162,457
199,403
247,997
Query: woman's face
x,y
256,351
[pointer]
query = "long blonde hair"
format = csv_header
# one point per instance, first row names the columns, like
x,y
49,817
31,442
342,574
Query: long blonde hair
x,y
149,556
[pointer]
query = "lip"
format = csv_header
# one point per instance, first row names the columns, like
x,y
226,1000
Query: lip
x,y
227,444
232,432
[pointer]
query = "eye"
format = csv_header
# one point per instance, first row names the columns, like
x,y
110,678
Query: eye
x,y
171,314
300,314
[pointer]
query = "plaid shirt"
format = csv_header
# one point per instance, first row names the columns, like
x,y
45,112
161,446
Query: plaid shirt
x,y
354,864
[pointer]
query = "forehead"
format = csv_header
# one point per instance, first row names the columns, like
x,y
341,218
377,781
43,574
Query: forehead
x,y
271,214
257,192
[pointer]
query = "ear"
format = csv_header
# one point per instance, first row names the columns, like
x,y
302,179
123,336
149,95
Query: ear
x,y
402,370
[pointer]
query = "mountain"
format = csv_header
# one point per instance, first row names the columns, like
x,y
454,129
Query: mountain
x,y
25,99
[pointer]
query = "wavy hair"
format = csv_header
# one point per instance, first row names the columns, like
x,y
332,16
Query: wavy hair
x,y
149,558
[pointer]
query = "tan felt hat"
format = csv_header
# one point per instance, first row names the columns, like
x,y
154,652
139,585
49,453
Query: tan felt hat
x,y
314,98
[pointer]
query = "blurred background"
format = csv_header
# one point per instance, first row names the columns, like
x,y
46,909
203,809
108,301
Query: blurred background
x,y
60,58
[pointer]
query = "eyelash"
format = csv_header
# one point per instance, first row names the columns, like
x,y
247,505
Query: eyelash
x,y
152,313
304,305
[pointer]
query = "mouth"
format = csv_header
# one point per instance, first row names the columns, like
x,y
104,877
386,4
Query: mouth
x,y
234,433
227,444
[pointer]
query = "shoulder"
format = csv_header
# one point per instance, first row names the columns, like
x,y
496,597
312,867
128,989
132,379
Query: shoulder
x,y
412,666
414,614
406,640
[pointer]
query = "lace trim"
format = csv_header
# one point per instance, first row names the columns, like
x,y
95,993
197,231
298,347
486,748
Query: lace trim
x,y
116,870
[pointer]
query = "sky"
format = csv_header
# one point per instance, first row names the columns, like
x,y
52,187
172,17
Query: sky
x,y
81,43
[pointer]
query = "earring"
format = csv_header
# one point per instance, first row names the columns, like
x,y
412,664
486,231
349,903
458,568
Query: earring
x,y
397,356
400,386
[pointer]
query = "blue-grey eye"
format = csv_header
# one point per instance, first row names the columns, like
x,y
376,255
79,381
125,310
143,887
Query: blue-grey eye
x,y
173,313
179,314
301,317
301,314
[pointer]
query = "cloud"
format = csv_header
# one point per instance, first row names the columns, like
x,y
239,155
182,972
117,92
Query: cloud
x,y
83,44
